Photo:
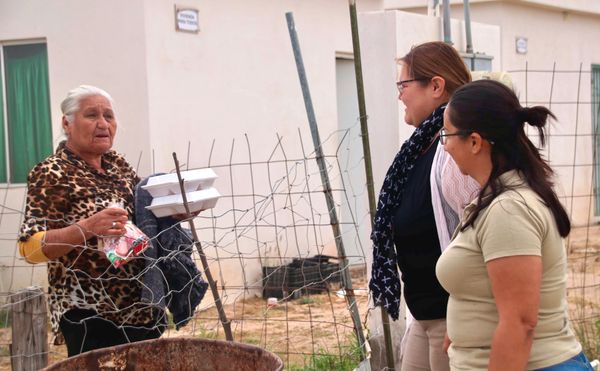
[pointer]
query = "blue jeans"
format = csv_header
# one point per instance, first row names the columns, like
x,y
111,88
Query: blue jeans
x,y
579,362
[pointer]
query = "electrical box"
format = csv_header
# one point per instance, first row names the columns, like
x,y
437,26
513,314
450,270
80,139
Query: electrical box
x,y
477,61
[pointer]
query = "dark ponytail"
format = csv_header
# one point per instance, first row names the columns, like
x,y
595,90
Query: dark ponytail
x,y
493,110
537,117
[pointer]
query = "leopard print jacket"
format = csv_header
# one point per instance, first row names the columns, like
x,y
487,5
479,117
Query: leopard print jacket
x,y
62,190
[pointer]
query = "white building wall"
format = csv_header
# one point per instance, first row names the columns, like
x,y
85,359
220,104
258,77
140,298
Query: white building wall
x,y
238,74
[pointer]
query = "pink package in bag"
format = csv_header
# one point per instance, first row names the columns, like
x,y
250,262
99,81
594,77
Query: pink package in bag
x,y
120,249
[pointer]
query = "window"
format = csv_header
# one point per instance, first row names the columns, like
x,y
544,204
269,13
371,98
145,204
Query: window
x,y
25,124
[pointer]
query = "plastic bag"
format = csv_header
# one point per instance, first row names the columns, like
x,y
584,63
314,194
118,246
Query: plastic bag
x,y
120,249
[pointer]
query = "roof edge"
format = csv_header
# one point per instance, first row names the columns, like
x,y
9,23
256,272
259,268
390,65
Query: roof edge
x,y
578,6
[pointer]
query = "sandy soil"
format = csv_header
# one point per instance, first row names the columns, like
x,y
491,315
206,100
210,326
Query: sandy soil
x,y
295,329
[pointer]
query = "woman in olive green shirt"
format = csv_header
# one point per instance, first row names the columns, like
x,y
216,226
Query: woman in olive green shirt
x,y
505,268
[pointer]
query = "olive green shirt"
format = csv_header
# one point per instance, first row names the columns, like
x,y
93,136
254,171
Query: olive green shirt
x,y
517,222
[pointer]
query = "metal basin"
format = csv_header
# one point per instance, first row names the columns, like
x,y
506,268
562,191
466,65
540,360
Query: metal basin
x,y
174,354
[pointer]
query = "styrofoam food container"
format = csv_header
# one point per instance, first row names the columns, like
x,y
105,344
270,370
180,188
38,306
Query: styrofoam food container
x,y
173,204
168,184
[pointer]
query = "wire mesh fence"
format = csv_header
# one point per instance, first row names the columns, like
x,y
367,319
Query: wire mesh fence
x,y
270,235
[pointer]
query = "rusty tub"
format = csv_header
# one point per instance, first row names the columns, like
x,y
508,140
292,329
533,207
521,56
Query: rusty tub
x,y
174,354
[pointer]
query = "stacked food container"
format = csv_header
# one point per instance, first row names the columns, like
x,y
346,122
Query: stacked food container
x,y
167,197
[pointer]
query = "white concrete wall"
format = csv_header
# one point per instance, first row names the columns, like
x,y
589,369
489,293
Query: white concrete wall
x,y
238,74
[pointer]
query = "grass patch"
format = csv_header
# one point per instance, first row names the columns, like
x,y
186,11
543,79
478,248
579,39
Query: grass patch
x,y
303,300
324,360
251,341
170,323
589,337
5,318
205,333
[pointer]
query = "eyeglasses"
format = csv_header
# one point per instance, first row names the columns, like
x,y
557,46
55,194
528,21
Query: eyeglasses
x,y
401,84
444,135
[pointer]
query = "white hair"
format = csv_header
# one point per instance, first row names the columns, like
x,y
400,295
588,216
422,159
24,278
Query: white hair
x,y
70,105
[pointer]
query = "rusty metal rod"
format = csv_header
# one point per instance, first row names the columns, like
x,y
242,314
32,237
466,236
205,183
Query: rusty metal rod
x,y
335,225
364,129
211,282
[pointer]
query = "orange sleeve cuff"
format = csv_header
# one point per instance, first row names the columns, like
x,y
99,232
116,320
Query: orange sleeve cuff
x,y
31,249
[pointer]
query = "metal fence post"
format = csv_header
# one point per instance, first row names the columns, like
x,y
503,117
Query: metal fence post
x,y
364,129
314,129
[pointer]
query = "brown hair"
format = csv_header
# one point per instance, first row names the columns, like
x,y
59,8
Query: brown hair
x,y
437,59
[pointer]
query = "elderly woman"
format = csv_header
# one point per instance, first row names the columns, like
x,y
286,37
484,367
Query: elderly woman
x,y
506,267
92,303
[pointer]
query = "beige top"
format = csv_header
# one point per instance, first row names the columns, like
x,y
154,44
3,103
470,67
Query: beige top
x,y
517,222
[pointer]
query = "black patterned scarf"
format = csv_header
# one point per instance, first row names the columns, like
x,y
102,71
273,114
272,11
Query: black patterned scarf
x,y
385,281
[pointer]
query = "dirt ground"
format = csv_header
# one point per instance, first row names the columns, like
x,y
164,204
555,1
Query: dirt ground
x,y
295,329
321,323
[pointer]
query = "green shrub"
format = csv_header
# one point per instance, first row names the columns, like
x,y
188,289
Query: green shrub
x,y
170,323
309,300
205,333
5,318
324,360
588,334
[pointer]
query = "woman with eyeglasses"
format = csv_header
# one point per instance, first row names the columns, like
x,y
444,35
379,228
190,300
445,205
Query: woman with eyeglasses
x,y
419,206
506,267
